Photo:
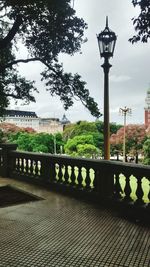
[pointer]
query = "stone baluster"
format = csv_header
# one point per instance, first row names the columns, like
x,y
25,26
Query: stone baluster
x,y
80,178
66,175
127,188
31,167
36,169
73,177
117,187
27,166
88,179
95,181
139,192
60,174
16,165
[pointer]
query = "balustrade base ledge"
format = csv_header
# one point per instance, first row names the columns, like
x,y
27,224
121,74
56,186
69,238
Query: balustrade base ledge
x,y
65,189
132,211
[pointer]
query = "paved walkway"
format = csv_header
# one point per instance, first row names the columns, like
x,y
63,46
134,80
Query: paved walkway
x,y
63,232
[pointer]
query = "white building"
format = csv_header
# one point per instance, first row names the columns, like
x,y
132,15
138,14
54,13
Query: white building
x,y
50,125
22,118
30,119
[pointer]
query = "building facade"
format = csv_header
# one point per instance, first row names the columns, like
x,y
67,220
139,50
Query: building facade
x,y
50,125
21,118
30,119
147,109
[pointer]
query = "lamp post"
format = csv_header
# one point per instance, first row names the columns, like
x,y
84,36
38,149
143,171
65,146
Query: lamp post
x,y
55,144
124,111
106,42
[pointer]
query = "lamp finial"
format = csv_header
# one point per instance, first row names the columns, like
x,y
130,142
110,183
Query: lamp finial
x,y
106,21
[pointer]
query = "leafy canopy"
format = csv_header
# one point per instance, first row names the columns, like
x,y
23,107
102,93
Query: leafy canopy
x,y
80,144
142,21
36,142
46,28
146,148
135,137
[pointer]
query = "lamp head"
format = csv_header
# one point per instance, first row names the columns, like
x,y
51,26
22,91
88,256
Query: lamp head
x,y
106,41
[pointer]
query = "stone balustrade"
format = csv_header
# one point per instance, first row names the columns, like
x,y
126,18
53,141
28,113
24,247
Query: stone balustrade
x,y
99,180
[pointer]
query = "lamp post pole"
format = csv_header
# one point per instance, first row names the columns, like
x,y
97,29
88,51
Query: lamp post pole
x,y
124,136
54,144
106,66
124,111
106,42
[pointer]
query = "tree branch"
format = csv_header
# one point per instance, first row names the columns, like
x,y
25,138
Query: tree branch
x,y
4,42
14,62
10,64
12,95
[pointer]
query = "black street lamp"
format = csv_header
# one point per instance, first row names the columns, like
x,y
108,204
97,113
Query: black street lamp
x,y
106,41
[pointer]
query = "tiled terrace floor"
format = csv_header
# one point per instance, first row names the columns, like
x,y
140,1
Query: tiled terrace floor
x,y
63,232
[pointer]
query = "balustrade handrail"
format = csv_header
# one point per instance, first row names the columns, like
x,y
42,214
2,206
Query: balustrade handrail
x,y
114,164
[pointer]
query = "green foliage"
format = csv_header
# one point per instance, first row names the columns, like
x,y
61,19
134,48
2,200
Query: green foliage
x,y
98,140
11,132
114,128
146,148
79,128
46,28
135,137
1,136
99,126
39,142
84,128
13,137
142,21
59,142
71,145
42,141
87,151
68,131
24,142
12,85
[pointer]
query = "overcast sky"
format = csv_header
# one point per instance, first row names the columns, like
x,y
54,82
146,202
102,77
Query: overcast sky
x,y
129,75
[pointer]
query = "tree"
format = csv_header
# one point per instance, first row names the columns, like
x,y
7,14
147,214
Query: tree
x,y
84,128
135,137
1,136
148,131
9,128
146,148
114,128
68,131
36,142
42,142
46,28
142,21
72,145
11,131
59,143
79,128
24,142
87,151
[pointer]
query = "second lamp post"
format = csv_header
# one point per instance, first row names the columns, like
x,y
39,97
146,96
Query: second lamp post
x,y
106,41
